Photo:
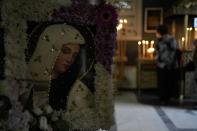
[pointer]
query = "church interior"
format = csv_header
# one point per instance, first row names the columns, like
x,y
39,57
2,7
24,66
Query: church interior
x,y
117,87
135,76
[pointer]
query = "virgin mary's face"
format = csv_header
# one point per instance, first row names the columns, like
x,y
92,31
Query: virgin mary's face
x,y
66,57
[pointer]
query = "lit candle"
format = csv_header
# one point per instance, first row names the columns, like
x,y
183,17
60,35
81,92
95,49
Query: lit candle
x,y
125,21
189,41
152,43
187,44
121,20
119,27
187,38
147,42
152,47
139,49
183,43
143,48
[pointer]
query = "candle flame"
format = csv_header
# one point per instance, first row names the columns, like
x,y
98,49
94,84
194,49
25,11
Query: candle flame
x,y
183,39
125,20
143,41
121,21
119,27
150,50
147,42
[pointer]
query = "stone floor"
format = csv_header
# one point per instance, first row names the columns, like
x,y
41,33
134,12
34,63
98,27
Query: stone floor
x,y
145,114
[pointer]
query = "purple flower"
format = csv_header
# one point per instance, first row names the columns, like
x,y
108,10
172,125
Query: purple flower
x,y
105,19
106,16
78,14
105,44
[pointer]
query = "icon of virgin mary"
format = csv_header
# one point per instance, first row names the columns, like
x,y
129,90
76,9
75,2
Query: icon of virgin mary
x,y
57,70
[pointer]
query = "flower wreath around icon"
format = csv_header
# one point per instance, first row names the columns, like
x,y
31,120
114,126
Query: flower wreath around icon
x,y
15,88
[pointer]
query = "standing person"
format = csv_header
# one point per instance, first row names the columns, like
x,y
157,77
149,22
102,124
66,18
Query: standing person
x,y
166,63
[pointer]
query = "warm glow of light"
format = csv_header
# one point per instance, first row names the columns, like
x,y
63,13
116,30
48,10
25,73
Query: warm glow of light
x,y
152,42
150,50
147,42
143,41
139,42
189,29
195,29
121,21
183,39
119,27
125,20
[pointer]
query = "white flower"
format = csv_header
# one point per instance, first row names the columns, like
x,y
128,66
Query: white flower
x,y
37,110
43,123
63,116
55,116
48,109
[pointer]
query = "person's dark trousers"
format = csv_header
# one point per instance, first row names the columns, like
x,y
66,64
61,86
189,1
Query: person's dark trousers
x,y
166,79
177,83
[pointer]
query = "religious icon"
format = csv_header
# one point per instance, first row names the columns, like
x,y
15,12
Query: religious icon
x,y
61,67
